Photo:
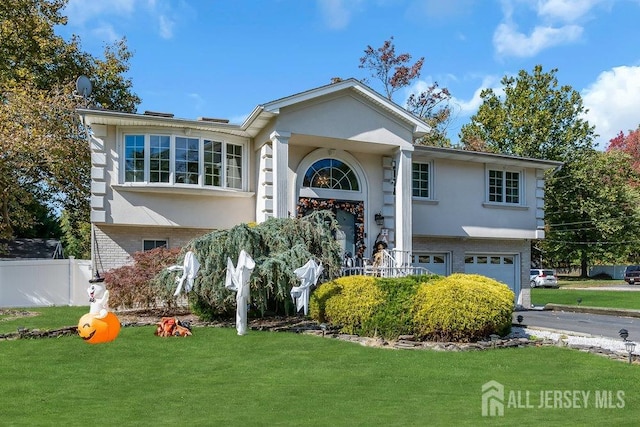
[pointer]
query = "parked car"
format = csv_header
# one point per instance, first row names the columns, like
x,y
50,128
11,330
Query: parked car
x,y
543,278
632,274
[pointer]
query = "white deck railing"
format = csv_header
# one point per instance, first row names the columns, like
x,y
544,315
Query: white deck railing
x,y
389,263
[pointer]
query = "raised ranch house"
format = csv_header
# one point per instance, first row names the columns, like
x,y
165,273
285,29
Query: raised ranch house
x,y
160,180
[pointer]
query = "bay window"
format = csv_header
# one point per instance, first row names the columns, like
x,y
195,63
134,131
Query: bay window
x,y
181,160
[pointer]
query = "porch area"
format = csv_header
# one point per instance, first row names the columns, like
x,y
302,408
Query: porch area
x,y
384,263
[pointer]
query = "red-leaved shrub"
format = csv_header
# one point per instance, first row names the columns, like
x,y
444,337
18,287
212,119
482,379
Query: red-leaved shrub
x,y
130,285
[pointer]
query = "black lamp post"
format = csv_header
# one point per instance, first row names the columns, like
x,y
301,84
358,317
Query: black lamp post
x,y
624,334
629,346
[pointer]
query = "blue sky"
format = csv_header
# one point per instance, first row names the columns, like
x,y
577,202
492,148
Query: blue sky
x,y
219,58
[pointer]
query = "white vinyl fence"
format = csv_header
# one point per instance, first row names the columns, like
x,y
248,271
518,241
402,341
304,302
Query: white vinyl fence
x,y
44,282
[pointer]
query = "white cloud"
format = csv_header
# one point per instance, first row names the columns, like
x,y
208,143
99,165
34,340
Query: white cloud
x,y
508,41
82,11
556,22
105,32
166,27
469,107
84,14
565,10
613,101
461,109
337,13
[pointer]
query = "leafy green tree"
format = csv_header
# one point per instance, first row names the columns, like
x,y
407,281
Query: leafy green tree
x,y
536,117
38,137
76,236
44,156
396,72
596,218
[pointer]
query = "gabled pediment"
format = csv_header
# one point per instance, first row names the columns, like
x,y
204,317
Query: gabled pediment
x,y
345,110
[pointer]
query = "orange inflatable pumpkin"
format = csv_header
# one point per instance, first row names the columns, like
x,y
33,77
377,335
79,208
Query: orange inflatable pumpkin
x,y
95,331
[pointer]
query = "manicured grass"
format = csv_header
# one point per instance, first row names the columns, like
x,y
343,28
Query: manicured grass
x,y
47,318
218,378
589,298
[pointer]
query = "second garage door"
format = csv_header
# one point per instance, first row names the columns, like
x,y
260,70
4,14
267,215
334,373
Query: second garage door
x,y
499,267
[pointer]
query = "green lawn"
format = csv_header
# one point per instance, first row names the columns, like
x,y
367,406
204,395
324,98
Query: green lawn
x,y
589,298
264,378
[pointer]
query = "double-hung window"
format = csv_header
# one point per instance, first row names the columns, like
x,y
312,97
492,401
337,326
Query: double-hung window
x,y
181,160
421,180
504,186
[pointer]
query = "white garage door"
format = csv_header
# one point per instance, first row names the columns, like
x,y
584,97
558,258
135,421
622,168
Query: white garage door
x,y
499,267
434,262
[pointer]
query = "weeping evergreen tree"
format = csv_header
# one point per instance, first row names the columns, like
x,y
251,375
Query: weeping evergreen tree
x,y
278,246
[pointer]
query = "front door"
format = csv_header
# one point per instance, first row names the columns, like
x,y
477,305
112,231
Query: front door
x,y
350,217
346,235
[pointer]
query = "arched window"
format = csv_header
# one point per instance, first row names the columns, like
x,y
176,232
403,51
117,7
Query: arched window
x,y
331,174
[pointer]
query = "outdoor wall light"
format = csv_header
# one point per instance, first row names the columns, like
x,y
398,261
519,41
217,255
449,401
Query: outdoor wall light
x,y
379,219
629,346
519,318
624,334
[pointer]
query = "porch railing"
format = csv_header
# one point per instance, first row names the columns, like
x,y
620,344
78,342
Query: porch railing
x,y
388,263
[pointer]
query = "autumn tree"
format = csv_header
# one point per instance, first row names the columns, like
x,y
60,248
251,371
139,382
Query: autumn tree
x,y
629,144
44,156
395,72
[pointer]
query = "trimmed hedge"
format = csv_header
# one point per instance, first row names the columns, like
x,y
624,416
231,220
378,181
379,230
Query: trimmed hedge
x,y
367,306
393,317
462,307
355,304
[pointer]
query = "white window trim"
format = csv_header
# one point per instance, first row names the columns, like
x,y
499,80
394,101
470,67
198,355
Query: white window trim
x,y
171,184
521,188
431,188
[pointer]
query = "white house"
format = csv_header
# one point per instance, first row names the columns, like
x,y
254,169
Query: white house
x,y
160,180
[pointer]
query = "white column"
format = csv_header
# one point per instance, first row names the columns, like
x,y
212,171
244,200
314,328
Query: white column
x,y
403,214
280,147
264,188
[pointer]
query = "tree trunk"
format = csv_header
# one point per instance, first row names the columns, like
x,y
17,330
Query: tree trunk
x,y
583,264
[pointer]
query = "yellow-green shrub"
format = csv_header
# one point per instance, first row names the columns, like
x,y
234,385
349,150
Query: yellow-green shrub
x,y
348,301
319,297
462,307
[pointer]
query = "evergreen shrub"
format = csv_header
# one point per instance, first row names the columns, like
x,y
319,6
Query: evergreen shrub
x,y
354,303
319,297
368,306
393,317
278,246
462,307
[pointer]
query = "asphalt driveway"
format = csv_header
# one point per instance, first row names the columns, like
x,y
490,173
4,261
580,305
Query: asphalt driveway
x,y
605,325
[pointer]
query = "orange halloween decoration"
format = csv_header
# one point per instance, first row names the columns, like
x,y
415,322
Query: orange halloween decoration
x,y
95,330
170,326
